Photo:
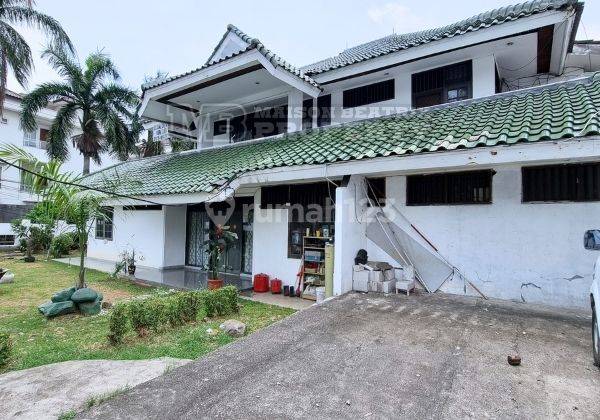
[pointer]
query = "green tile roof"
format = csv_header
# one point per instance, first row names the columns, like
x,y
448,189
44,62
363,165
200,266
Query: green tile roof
x,y
398,42
552,112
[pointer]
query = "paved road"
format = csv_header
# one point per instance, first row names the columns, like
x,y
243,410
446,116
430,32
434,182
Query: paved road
x,y
426,356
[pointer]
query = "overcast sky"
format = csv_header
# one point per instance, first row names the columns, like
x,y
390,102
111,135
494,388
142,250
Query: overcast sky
x,y
175,36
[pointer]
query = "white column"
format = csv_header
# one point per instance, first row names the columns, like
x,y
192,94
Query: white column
x,y
484,76
403,91
201,139
349,232
337,103
295,98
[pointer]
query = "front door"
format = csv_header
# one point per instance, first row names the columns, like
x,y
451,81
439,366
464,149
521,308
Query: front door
x,y
237,259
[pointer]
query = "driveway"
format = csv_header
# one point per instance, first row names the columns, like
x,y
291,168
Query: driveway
x,y
425,356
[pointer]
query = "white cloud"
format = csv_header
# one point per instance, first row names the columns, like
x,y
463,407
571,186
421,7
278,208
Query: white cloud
x,y
399,17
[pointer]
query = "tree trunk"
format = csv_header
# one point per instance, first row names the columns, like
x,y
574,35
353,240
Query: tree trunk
x,y
3,78
86,165
81,282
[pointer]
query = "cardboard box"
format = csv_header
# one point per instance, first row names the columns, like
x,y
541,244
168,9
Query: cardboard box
x,y
374,286
388,286
360,281
376,276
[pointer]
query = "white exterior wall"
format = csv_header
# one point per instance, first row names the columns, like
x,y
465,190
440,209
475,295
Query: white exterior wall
x,y
508,249
142,230
175,235
11,133
270,244
349,234
484,76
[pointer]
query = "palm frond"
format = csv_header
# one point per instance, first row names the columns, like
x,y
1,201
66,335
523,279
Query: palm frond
x,y
65,65
38,98
17,53
62,127
31,17
98,67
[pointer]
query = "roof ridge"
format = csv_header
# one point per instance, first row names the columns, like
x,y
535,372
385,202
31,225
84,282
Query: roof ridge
x,y
411,39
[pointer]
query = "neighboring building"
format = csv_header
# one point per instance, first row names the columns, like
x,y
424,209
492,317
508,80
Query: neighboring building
x,y
482,136
15,197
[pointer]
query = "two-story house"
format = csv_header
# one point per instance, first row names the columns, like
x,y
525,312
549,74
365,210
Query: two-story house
x,y
15,196
470,152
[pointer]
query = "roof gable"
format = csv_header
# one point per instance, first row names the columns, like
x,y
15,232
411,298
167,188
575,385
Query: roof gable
x,y
551,112
230,44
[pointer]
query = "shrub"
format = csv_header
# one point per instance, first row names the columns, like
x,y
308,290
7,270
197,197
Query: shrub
x,y
5,348
118,323
61,245
140,316
221,302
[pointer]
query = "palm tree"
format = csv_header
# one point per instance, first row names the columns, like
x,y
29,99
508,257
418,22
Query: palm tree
x,y
15,54
92,99
150,147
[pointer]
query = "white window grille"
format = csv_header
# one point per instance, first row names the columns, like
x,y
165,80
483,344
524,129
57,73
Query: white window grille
x,y
30,138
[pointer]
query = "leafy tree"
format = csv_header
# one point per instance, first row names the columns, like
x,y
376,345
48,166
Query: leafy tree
x,y
15,54
181,145
93,99
61,192
150,147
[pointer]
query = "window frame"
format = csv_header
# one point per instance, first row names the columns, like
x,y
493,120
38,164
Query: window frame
x,y
103,226
4,242
447,84
525,188
443,182
372,93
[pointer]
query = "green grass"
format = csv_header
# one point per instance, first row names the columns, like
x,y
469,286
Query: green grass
x,y
38,341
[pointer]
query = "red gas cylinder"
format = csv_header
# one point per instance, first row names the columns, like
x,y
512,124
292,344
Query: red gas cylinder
x,y
261,283
276,286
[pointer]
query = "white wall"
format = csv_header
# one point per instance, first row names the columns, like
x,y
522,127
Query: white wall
x,y
349,233
510,250
269,245
142,230
175,235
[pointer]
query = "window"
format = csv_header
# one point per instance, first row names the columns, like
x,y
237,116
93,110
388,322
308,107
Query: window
x,y
7,239
323,110
104,225
473,187
369,94
30,138
376,191
262,122
26,179
442,85
10,212
573,182
160,132
44,133
311,209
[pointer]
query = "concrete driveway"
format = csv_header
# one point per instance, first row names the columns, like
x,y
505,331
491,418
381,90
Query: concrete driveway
x,y
426,356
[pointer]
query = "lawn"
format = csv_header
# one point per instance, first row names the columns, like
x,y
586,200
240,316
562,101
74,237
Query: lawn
x,y
38,341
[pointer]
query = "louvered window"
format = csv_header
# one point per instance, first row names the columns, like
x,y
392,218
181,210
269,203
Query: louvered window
x,y
573,182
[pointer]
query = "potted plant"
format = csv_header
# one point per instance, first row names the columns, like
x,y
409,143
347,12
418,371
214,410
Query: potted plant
x,y
128,259
220,238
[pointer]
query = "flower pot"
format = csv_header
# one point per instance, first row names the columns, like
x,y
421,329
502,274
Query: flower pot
x,y
131,270
215,284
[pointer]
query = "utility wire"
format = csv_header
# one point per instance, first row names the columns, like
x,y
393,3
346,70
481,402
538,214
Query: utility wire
x,y
74,184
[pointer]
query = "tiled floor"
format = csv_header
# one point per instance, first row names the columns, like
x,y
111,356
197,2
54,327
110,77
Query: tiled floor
x,y
279,300
180,278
